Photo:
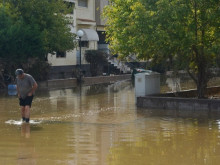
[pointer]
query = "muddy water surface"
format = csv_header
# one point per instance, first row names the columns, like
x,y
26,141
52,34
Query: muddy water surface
x,y
100,125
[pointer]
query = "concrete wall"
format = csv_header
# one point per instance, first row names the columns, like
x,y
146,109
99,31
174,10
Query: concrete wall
x,y
105,79
168,101
86,12
72,82
70,59
100,4
210,91
178,103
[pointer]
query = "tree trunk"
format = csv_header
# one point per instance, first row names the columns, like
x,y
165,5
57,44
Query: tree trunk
x,y
201,86
202,78
202,72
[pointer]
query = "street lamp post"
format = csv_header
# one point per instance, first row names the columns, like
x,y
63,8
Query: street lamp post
x,y
80,33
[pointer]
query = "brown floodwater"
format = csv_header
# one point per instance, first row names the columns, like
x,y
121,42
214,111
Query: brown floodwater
x,y
100,125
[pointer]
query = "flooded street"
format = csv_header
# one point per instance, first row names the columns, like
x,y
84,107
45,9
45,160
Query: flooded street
x,y
100,125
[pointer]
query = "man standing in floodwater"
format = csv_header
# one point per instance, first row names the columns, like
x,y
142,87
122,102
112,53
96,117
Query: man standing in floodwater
x,y
26,86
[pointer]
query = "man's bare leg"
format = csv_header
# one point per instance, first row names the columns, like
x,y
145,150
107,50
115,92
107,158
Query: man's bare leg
x,y
23,113
27,113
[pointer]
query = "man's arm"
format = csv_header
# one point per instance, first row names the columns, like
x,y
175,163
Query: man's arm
x,y
34,87
18,91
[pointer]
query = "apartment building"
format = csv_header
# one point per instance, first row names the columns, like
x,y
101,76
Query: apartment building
x,y
82,16
100,24
121,66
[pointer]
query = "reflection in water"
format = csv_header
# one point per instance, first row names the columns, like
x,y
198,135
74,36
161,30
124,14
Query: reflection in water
x,y
100,125
25,130
26,154
171,141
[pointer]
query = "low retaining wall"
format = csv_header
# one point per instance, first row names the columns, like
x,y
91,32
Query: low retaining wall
x,y
105,79
72,82
178,103
210,91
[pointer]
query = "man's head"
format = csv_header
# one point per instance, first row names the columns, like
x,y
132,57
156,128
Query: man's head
x,y
19,73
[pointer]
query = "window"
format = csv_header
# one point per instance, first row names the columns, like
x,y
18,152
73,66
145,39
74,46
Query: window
x,y
102,37
85,44
60,54
83,3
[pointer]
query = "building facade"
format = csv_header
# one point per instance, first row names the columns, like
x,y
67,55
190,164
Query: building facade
x,y
100,24
82,17
118,67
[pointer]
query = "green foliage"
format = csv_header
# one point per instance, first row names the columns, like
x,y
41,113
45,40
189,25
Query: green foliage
x,y
39,70
29,30
96,59
184,30
18,40
33,28
96,56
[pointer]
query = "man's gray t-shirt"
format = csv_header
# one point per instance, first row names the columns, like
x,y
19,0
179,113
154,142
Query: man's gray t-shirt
x,y
25,85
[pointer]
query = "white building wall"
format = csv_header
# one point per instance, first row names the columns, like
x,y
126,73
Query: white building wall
x,y
100,4
86,12
92,46
83,17
70,59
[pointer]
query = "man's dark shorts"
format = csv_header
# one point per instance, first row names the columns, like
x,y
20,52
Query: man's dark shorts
x,y
26,101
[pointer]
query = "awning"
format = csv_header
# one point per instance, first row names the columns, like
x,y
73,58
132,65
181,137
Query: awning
x,y
90,35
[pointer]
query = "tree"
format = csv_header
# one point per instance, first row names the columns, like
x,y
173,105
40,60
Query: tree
x,y
96,59
33,28
29,30
19,41
185,30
